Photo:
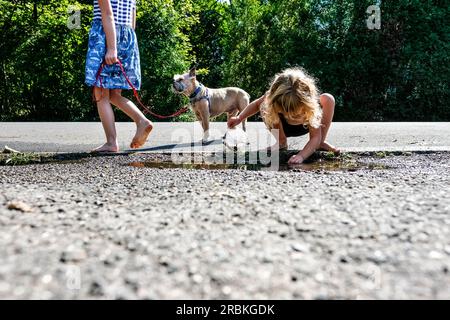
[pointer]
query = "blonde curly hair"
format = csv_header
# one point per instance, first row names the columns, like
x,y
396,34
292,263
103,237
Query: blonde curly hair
x,y
294,94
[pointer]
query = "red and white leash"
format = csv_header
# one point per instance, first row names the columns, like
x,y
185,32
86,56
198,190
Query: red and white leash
x,y
136,95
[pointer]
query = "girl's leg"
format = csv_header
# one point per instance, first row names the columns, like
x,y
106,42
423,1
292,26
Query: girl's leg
x,y
143,125
281,140
328,103
106,114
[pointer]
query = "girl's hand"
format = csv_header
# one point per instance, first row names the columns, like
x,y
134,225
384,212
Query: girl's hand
x,y
233,122
297,159
111,56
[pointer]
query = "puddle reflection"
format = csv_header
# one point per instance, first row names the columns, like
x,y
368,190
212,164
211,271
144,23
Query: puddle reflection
x,y
319,165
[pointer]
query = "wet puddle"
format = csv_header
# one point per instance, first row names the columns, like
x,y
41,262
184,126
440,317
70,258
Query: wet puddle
x,y
316,166
320,162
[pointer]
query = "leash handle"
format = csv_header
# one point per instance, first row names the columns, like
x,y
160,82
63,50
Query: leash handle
x,y
136,94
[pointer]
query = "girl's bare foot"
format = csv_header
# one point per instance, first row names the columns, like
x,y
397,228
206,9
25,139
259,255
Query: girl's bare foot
x,y
325,146
107,148
142,132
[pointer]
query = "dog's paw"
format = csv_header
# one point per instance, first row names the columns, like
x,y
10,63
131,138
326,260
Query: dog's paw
x,y
206,139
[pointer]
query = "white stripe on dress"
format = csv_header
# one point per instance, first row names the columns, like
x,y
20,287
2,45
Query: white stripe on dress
x,y
122,9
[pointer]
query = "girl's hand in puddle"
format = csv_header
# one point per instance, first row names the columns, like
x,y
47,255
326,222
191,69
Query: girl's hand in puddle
x,y
295,160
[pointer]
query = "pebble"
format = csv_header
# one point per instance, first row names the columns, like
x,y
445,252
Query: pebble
x,y
378,257
300,247
300,227
73,254
19,206
435,255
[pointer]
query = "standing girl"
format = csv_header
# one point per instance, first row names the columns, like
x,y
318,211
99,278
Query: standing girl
x,y
112,40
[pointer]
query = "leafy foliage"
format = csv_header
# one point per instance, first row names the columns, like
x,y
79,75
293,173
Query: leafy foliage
x,y
400,72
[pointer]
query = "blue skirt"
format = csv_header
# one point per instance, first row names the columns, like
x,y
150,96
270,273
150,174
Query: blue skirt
x,y
111,76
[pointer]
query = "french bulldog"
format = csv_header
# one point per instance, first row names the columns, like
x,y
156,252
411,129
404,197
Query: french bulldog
x,y
208,103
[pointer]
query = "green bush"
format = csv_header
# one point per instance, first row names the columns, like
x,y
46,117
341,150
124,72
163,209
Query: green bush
x,y
398,73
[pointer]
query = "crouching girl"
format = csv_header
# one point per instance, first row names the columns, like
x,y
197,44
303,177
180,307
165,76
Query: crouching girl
x,y
294,107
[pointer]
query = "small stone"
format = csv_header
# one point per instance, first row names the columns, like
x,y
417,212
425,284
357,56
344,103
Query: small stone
x,y
298,247
319,277
300,227
435,255
422,237
132,246
73,254
378,257
197,278
19,206
96,289
226,290
8,150
46,279
266,259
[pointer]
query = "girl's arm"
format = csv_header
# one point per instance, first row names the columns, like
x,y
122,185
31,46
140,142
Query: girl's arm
x,y
134,18
315,139
110,31
250,110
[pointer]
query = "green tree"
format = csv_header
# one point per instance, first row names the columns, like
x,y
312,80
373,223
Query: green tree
x,y
208,40
165,49
400,72
42,60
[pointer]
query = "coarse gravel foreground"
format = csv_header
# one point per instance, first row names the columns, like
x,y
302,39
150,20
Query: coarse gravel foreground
x,y
98,229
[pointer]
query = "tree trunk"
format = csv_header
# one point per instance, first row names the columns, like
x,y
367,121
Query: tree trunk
x,y
35,12
4,85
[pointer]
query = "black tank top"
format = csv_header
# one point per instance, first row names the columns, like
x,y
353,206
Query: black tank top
x,y
291,130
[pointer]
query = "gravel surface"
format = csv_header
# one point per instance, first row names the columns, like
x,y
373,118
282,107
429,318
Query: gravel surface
x,y
100,229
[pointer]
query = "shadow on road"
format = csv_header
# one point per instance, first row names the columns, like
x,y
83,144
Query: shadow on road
x,y
13,157
177,146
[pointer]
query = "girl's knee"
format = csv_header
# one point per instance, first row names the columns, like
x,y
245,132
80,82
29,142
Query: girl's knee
x,y
115,94
327,100
101,94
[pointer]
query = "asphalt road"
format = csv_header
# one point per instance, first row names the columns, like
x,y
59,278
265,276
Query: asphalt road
x,y
82,137
99,229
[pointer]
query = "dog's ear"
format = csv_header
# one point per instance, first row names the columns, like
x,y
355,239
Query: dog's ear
x,y
193,72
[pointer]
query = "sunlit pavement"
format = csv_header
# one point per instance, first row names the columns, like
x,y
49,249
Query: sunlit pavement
x,y
356,136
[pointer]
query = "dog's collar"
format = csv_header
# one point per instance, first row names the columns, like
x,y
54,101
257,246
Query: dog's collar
x,y
196,92
195,98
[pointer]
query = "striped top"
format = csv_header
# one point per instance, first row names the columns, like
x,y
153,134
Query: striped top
x,y
122,9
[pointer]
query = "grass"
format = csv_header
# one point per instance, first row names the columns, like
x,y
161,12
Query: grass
x,y
29,158
330,156
381,154
20,159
